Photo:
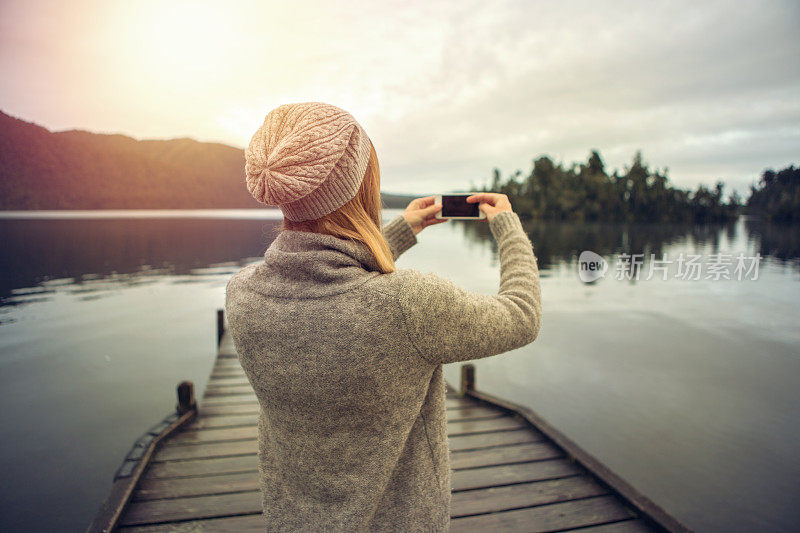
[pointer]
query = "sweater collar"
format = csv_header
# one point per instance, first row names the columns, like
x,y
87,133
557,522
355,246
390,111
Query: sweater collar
x,y
302,264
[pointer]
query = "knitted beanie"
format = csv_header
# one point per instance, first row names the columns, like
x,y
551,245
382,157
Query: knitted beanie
x,y
309,159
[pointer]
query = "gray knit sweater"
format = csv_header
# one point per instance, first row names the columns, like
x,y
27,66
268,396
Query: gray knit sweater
x,y
346,363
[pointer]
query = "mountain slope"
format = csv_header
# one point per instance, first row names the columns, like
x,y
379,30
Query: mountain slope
x,y
75,169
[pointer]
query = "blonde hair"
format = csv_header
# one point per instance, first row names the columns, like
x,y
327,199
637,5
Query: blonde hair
x,y
357,220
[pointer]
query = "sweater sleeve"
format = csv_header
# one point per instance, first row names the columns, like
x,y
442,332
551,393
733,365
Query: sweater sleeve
x,y
399,235
449,324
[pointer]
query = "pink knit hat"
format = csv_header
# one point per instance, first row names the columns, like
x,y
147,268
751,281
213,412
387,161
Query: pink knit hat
x,y
309,159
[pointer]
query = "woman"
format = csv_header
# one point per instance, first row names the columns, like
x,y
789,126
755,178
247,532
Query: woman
x,y
343,350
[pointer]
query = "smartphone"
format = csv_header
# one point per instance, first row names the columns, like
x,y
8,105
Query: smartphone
x,y
455,206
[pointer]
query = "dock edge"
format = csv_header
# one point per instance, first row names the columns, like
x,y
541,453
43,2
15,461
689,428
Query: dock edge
x,y
647,508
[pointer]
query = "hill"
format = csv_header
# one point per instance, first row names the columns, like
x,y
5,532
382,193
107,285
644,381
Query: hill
x,y
75,169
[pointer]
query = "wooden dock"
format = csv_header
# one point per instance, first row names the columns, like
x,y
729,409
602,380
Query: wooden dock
x,y
510,470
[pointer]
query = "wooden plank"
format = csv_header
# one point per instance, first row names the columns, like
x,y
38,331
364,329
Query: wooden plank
x,y
487,440
489,476
153,489
216,377
494,499
227,363
482,426
627,526
237,415
224,421
228,381
232,524
453,402
558,516
449,407
203,467
230,400
473,413
250,432
232,364
224,410
155,511
234,372
228,373
227,366
221,390
209,464
223,395
499,455
252,399
243,386
213,390
222,399
473,478
463,503
214,435
171,452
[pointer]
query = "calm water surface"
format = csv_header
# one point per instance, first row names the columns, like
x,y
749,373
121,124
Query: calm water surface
x,y
686,388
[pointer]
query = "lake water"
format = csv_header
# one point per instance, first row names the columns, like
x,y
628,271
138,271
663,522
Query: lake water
x,y
686,388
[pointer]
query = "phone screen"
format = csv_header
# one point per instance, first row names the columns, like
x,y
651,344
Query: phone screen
x,y
457,206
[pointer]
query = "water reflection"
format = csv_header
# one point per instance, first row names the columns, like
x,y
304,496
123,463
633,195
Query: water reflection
x,y
90,256
562,242
780,241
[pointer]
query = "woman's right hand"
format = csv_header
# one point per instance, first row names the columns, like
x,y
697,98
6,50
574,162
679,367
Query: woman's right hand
x,y
491,203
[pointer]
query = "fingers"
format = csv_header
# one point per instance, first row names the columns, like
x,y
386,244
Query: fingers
x,y
420,203
433,209
489,198
430,209
426,201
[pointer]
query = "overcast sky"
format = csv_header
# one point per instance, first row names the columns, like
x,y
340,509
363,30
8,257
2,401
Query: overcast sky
x,y
446,90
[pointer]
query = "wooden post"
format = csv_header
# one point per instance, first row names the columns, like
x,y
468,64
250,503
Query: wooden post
x,y
186,397
220,325
467,377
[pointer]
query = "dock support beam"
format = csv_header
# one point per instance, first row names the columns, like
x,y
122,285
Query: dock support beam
x,y
220,325
467,378
186,397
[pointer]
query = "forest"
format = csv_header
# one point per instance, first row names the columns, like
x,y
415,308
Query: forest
x,y
776,196
587,192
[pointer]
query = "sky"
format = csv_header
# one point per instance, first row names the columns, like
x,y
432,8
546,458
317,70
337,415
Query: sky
x,y
447,91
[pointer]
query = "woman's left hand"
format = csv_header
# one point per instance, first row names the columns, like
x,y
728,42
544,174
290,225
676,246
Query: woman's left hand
x,y
421,213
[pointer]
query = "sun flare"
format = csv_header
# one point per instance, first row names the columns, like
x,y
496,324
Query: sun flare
x,y
174,40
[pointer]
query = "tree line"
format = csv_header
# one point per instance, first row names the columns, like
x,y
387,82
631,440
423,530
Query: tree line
x,y
776,196
587,192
